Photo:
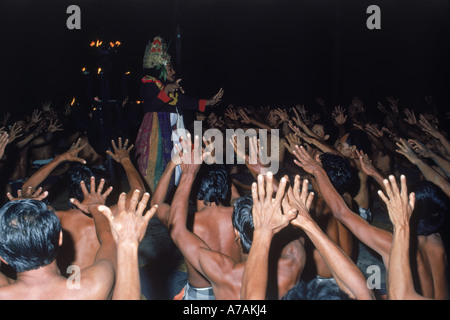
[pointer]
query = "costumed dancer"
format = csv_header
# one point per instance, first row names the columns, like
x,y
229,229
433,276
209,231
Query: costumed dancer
x,y
164,105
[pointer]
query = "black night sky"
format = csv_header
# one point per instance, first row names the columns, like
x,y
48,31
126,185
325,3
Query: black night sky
x,y
262,52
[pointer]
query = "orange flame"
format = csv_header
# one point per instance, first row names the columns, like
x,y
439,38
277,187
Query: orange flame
x,y
84,69
99,70
118,43
92,43
128,72
73,101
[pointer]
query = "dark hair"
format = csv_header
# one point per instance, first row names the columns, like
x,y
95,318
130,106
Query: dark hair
x,y
29,234
243,221
361,140
214,184
78,173
430,209
328,129
316,289
338,169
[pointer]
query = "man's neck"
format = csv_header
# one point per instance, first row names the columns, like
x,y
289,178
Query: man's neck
x,y
43,275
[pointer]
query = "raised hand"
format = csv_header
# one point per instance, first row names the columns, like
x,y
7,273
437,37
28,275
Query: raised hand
x,y
357,103
305,160
405,149
399,205
54,126
366,164
410,116
15,132
193,156
301,134
129,224
292,141
92,198
253,160
231,113
420,148
391,134
121,152
370,128
339,115
239,149
173,87
303,114
301,200
428,127
244,117
72,153
36,116
216,98
46,105
282,114
29,193
266,211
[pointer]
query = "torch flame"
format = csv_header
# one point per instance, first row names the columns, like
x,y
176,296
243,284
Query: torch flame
x,y
111,44
84,69
73,101
118,43
92,43
128,72
99,43
99,70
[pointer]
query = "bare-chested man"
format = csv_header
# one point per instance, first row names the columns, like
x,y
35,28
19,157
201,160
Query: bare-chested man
x,y
211,222
33,253
431,262
81,244
223,272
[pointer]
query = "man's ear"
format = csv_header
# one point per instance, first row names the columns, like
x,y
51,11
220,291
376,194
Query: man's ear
x,y
3,260
237,237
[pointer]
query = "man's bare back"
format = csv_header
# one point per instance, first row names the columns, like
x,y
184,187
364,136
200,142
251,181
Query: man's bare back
x,y
80,243
213,225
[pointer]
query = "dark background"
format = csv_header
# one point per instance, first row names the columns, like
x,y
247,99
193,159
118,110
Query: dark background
x,y
261,52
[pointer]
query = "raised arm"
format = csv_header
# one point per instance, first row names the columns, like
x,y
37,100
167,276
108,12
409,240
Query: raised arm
x,y
128,229
435,133
121,154
268,219
400,207
424,152
102,271
428,172
42,174
375,238
345,272
160,193
194,249
368,168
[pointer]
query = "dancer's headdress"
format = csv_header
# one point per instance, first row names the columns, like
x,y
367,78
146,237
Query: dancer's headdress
x,y
156,56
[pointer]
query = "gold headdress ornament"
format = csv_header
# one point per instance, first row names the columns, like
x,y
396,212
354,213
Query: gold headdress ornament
x,y
156,56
